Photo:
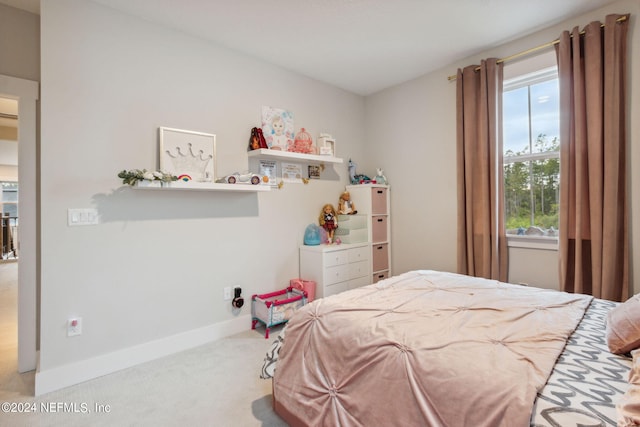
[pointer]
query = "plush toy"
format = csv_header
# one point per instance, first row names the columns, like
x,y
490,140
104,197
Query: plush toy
x,y
380,178
345,205
352,172
328,221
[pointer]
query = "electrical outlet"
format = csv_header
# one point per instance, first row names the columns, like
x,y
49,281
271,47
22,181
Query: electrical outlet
x,y
227,293
74,326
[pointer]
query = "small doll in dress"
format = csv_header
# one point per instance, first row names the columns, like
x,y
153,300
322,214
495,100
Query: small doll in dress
x,y
328,221
345,205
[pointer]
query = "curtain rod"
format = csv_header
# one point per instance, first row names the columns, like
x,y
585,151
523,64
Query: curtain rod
x,y
533,49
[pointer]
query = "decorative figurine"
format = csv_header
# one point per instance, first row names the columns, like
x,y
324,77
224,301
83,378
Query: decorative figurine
x,y
303,143
257,139
345,205
352,172
380,178
357,178
328,221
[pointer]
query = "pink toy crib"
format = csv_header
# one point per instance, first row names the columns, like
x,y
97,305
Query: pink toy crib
x,y
276,307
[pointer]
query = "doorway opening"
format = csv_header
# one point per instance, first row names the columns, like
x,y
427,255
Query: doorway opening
x,y
9,237
8,179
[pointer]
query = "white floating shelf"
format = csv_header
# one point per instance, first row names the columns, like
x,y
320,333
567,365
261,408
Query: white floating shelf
x,y
288,155
205,186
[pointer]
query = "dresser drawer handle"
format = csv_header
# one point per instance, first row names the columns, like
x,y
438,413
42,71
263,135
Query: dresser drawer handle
x,y
379,247
379,191
380,219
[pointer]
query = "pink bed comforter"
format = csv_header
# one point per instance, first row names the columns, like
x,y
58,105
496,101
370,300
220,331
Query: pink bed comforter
x,y
423,348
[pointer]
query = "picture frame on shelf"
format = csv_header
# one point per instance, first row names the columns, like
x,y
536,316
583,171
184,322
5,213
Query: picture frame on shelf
x,y
277,128
326,145
185,152
314,171
292,172
269,170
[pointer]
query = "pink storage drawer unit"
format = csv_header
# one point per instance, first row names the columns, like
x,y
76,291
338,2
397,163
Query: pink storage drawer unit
x,y
380,257
276,307
378,201
380,276
379,228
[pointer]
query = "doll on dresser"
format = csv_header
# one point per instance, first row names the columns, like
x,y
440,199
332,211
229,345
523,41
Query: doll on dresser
x,y
345,205
328,221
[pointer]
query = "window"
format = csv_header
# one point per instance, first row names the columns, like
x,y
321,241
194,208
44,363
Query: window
x,y
531,153
9,199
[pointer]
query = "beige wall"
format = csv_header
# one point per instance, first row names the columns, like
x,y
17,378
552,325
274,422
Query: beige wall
x,y
411,133
150,277
19,43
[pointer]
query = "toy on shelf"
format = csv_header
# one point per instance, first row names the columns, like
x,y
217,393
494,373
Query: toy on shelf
x,y
303,143
312,235
352,172
345,205
380,178
241,178
358,178
329,221
256,140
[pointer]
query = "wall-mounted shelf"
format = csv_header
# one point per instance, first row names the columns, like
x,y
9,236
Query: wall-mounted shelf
x,y
204,186
265,153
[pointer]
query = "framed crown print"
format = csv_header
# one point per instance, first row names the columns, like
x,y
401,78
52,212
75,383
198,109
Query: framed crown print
x,y
187,154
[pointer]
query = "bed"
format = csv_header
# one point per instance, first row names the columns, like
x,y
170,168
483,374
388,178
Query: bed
x,y
441,349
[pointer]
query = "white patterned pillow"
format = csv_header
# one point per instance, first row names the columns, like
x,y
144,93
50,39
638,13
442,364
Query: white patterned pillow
x,y
271,359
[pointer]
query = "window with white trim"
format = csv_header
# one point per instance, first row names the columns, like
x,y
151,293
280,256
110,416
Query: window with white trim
x,y
531,149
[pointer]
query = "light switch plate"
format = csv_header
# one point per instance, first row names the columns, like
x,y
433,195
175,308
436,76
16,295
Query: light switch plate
x,y
85,216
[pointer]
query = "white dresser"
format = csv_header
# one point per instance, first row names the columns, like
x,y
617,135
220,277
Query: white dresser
x,y
336,268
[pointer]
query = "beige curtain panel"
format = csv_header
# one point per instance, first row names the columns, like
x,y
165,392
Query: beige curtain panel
x,y
482,244
594,252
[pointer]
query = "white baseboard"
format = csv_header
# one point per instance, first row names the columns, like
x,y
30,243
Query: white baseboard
x,y
60,377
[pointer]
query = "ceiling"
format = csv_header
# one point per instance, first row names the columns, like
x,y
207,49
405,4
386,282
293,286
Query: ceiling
x,y
362,46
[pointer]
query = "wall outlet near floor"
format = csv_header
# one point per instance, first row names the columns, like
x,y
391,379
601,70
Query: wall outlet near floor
x,y
74,326
227,293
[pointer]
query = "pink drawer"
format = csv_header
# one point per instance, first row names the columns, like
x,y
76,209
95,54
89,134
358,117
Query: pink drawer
x,y
380,257
380,276
379,228
378,200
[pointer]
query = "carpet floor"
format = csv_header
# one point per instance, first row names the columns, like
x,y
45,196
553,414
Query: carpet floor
x,y
216,384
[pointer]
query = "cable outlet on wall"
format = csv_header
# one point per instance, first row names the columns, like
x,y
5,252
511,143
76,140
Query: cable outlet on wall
x,y
74,326
227,293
